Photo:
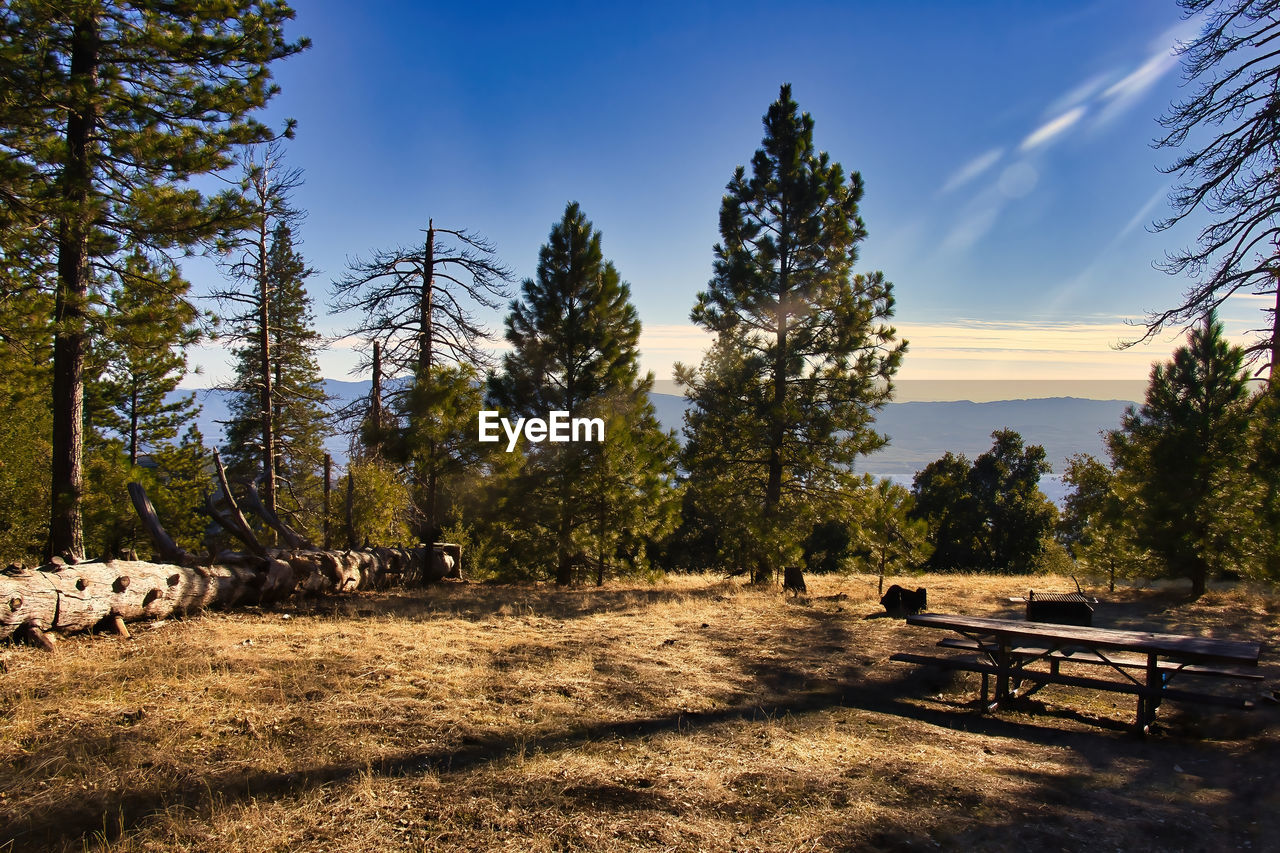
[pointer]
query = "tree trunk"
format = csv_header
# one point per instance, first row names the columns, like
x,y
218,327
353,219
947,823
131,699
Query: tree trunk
x,y
424,304
328,476
67,599
375,401
265,392
70,340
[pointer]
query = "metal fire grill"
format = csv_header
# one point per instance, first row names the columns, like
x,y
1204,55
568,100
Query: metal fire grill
x,y
1061,608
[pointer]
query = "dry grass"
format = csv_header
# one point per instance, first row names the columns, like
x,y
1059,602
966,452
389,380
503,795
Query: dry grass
x,y
691,715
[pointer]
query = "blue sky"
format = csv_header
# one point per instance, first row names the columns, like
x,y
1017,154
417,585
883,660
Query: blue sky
x,y
1006,150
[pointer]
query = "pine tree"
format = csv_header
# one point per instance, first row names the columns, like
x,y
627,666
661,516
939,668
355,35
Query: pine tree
x,y
629,484
1182,451
25,451
177,486
1018,518
944,499
1095,524
891,538
104,127
573,335
295,428
436,439
811,347
252,263
141,358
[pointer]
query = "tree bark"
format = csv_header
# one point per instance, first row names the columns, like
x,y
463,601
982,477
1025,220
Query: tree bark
x,y
70,339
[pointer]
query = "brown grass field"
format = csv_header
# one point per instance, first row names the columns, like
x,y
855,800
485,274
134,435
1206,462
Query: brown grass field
x,y
695,714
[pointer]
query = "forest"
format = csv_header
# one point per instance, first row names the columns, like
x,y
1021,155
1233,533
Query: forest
x,y
109,124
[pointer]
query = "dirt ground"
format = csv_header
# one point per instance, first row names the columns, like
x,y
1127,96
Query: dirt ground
x,y
695,714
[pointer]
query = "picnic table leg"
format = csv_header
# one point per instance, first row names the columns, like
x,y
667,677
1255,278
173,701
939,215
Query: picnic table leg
x,y
1149,701
1002,672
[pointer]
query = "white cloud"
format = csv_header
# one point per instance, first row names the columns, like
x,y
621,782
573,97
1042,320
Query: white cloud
x,y
1081,93
1051,129
976,349
662,345
972,169
1143,77
1125,93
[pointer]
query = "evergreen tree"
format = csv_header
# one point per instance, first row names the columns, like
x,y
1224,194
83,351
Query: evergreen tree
x,y
1095,526
890,538
573,335
629,484
1090,484
807,338
141,358
25,452
436,439
104,127
989,516
295,428
177,486
381,505
1182,451
1263,473
725,449
1019,519
944,498
259,261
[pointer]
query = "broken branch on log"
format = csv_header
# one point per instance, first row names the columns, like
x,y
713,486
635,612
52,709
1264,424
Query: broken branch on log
x,y
254,502
233,520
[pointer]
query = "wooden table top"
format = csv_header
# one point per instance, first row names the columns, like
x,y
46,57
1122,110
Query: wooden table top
x,y
1178,646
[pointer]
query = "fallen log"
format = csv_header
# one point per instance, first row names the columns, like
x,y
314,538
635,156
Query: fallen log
x,y
66,598
82,597
108,595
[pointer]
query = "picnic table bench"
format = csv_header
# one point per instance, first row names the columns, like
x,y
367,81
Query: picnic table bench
x,y
1013,650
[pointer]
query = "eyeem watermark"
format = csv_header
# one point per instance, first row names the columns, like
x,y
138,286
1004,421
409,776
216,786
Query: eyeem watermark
x,y
557,427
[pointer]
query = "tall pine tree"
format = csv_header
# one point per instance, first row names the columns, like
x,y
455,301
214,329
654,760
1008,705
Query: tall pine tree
x,y
573,335
805,355
295,390
105,125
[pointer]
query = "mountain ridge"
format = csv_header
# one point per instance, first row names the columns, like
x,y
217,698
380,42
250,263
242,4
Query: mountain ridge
x,y
919,431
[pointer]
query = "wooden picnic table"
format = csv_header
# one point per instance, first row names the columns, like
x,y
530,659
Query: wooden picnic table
x,y
1009,650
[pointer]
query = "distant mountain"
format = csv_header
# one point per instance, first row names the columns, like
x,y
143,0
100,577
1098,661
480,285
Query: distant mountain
x,y
919,432
214,411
